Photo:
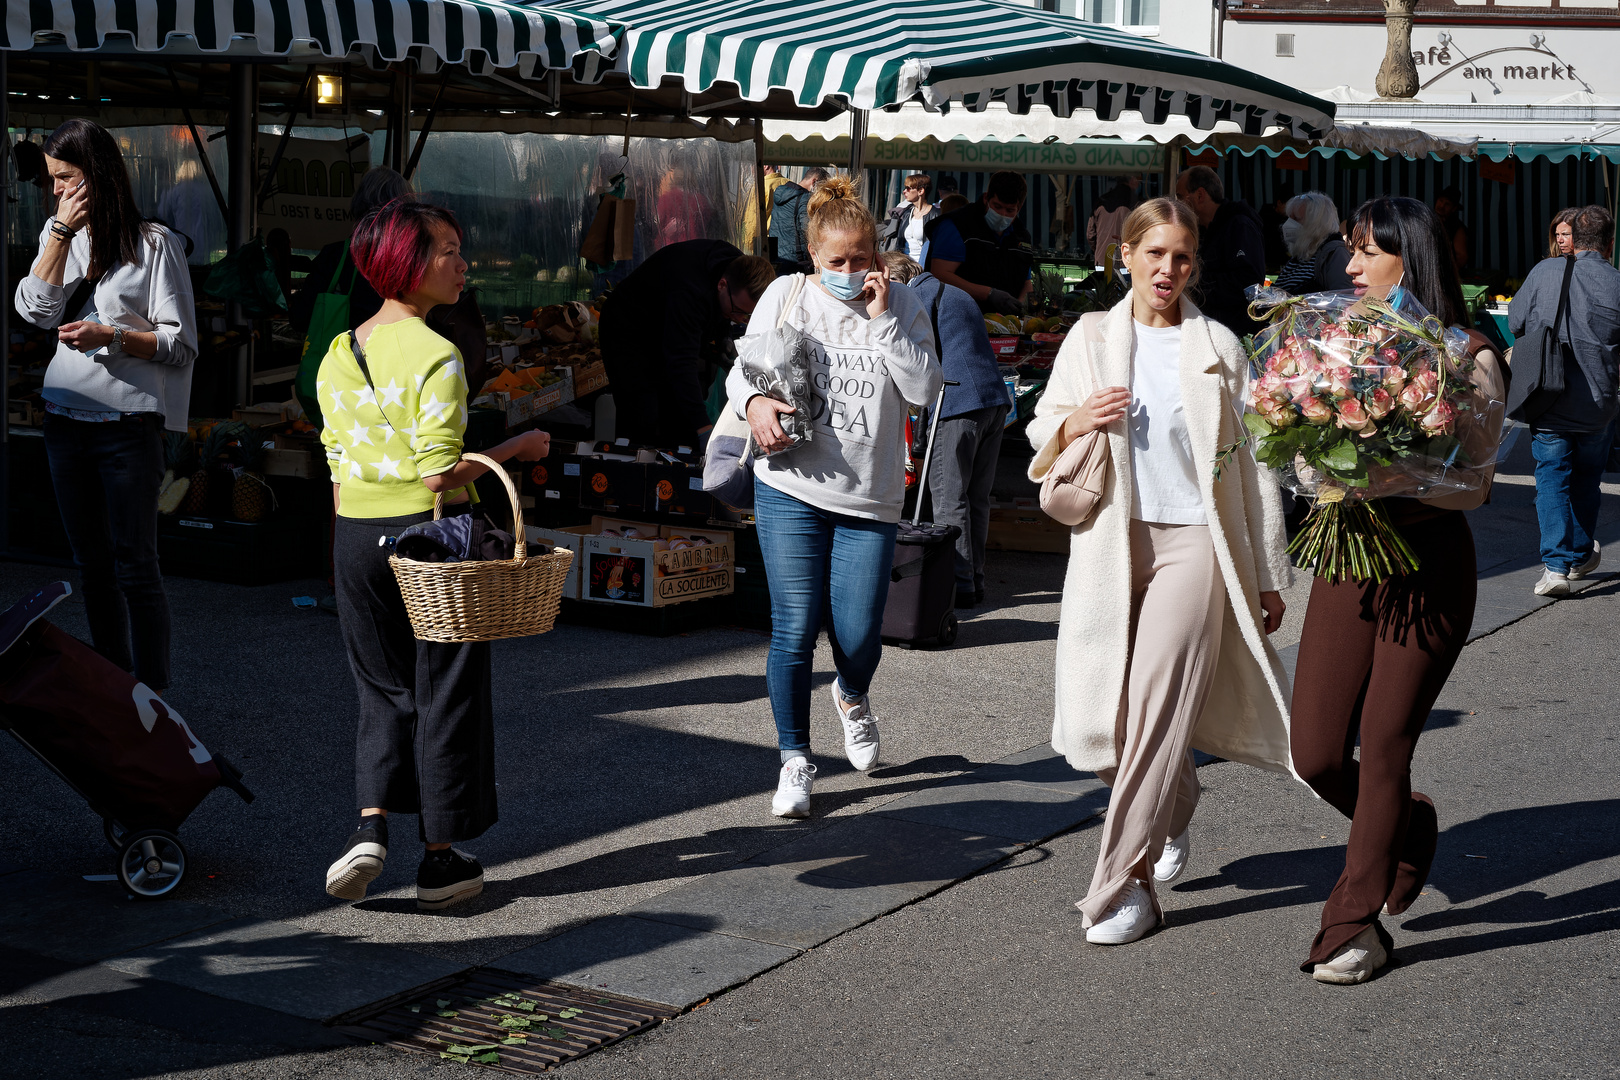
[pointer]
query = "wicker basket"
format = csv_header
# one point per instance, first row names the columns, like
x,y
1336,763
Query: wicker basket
x,y
484,600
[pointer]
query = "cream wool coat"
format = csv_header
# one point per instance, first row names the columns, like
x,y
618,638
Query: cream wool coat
x,y
1246,717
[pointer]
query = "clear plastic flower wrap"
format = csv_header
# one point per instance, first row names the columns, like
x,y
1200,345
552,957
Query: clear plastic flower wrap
x,y
777,363
1356,398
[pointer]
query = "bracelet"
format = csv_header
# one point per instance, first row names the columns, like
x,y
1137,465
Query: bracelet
x,y
118,339
61,231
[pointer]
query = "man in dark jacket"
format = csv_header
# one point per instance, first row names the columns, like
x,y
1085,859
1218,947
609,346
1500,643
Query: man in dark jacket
x,y
790,221
656,327
1231,246
971,421
1570,441
984,249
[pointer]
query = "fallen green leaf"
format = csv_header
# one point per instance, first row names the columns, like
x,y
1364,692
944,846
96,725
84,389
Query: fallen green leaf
x,y
444,1003
569,1014
448,1013
556,1032
463,1058
515,1040
517,1022
525,1006
602,1001
491,1058
416,1008
459,1031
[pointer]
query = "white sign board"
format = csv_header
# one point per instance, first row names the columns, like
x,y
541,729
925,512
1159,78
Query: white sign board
x,y
312,186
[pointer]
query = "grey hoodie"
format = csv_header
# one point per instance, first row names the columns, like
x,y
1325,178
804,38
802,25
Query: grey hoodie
x,y
865,371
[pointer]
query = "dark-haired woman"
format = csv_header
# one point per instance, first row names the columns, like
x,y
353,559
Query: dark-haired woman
x,y
118,291
1374,657
394,395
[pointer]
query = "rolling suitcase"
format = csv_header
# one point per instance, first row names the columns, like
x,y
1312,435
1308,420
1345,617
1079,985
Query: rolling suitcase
x,y
921,608
110,738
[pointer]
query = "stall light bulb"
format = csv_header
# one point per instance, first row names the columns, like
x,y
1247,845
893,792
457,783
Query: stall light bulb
x,y
328,90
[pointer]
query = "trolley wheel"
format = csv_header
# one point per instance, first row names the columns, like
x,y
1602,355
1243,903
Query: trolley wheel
x,y
152,863
947,630
115,833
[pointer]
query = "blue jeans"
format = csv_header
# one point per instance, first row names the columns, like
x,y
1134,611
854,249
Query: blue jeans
x,y
1569,470
106,478
811,554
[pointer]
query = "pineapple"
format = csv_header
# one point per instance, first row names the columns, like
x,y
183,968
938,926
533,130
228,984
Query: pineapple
x,y
178,451
251,497
211,484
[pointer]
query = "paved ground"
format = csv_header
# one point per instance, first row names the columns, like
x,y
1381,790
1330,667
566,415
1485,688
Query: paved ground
x,y
635,779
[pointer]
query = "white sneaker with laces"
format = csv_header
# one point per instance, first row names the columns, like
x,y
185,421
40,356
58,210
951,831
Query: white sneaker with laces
x,y
1590,564
1356,962
1129,917
1552,583
860,729
793,789
1173,861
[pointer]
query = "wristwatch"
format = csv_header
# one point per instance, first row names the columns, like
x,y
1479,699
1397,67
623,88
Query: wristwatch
x,y
118,339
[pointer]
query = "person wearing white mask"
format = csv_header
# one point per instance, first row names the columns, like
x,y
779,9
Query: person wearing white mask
x,y
827,510
984,249
1317,254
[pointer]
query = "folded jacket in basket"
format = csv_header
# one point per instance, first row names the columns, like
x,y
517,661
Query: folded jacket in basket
x,y
458,539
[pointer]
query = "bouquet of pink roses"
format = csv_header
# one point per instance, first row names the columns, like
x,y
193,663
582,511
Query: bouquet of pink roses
x,y
1357,398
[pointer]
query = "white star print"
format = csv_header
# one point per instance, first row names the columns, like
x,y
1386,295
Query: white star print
x,y
364,396
388,467
393,394
337,400
356,472
421,381
360,433
408,434
435,407
456,368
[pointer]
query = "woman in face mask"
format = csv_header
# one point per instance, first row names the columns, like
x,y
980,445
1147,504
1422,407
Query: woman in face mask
x,y
1174,582
1374,657
827,508
1317,255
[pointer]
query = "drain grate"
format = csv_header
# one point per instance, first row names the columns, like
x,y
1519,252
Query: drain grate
x,y
505,1021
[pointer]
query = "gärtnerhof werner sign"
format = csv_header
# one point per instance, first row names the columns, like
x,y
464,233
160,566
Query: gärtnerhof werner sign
x,y
1096,156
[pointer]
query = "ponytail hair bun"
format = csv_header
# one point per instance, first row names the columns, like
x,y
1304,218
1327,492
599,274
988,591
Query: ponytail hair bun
x,y
836,207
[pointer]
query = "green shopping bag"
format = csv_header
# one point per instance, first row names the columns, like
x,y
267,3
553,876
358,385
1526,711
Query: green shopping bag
x,y
328,320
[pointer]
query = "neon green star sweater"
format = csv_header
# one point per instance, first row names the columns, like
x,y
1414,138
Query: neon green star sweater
x,y
381,442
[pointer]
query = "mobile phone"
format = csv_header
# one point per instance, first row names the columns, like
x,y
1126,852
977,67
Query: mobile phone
x,y
79,185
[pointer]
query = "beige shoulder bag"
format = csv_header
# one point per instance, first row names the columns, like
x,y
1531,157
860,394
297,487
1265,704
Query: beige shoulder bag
x,y
1074,484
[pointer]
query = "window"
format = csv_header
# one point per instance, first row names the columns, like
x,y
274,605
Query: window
x,y
1285,44
1139,15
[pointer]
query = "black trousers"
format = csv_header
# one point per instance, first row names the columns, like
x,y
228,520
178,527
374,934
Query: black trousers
x,y
426,742
106,477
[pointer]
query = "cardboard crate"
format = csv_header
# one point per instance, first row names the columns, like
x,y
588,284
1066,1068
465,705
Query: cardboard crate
x,y
558,393
572,538
635,573
615,486
298,461
676,488
1025,527
589,378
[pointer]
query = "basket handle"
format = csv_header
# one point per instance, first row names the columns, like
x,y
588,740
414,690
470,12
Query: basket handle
x,y
520,549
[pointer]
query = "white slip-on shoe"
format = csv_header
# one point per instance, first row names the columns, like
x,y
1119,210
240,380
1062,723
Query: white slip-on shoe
x,y
793,789
1128,918
1590,564
1173,862
860,729
1356,962
1552,583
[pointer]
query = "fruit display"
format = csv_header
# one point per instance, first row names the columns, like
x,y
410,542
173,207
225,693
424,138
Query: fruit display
x,y
179,455
1023,325
227,483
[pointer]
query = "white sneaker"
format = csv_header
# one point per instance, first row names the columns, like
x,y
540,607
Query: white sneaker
x,y
860,730
1552,583
1129,917
1173,861
1354,963
793,789
1590,564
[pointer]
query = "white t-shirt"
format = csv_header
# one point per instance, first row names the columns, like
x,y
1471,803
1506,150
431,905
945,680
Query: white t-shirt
x,y
914,237
1164,475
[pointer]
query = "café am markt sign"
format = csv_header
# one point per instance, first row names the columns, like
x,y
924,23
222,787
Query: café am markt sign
x,y
313,184
1104,157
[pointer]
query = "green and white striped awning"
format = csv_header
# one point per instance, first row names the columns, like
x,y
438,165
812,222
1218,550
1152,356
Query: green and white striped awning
x,y
874,53
485,35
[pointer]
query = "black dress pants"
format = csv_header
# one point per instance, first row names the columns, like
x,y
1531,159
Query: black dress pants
x,y
426,742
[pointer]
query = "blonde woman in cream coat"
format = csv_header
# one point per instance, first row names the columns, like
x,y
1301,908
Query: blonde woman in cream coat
x,y
1173,584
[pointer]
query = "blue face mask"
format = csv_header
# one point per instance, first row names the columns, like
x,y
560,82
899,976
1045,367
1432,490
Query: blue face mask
x,y
844,286
996,222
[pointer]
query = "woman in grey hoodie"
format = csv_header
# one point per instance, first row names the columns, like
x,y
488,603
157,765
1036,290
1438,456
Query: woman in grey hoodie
x,y
827,510
118,292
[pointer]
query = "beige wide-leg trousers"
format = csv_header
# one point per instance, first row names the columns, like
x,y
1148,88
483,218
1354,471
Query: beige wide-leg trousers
x,y
1178,603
